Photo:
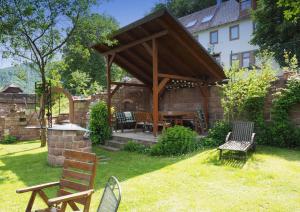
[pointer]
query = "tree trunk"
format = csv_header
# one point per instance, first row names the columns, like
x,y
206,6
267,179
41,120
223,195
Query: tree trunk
x,y
42,111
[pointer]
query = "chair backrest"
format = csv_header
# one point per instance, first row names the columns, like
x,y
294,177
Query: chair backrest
x,y
140,116
242,130
129,116
78,173
120,117
111,197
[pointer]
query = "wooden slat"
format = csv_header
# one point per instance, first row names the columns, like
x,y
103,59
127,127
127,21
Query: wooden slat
x,y
37,187
75,175
71,197
129,45
73,185
82,156
64,192
78,165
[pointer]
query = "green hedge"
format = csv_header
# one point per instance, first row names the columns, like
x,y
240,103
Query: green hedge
x,y
99,126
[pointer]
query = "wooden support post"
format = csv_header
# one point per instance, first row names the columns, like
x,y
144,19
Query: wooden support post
x,y
109,61
155,86
205,95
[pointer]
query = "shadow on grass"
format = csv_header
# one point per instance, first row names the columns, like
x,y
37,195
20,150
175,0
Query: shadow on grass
x,y
32,168
229,158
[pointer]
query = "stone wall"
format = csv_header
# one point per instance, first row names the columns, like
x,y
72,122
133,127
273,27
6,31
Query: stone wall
x,y
187,100
23,101
81,108
15,124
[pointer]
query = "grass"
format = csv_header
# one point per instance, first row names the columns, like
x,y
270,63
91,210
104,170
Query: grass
x,y
268,181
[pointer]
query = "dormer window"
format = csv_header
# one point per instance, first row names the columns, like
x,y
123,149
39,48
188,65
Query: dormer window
x,y
246,4
191,23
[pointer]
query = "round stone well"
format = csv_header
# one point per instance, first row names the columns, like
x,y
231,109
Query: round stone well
x,y
66,136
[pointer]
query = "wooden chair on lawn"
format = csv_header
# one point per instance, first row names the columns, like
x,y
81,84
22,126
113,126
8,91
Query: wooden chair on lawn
x,y
241,138
75,186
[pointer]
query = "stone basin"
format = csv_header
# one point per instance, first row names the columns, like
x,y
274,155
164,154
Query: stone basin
x,y
66,136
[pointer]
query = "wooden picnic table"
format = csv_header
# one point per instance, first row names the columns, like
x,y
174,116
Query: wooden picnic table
x,y
174,117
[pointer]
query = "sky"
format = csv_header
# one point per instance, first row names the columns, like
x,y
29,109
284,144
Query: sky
x,y
124,11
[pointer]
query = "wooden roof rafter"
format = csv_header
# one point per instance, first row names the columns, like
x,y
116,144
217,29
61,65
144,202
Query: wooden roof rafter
x,y
134,43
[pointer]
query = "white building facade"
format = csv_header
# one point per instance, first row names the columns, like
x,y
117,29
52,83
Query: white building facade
x,y
225,30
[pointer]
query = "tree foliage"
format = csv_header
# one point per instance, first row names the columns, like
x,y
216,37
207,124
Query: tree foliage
x,y
292,9
34,30
277,28
82,60
181,8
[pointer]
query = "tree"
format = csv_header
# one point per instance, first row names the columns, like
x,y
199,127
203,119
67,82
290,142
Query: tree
x,y
274,32
181,8
81,58
292,9
35,30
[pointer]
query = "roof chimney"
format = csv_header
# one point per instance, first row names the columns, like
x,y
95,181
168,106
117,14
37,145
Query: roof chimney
x,y
219,2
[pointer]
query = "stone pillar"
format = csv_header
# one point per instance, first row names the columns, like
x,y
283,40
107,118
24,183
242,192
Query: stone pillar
x,y
59,140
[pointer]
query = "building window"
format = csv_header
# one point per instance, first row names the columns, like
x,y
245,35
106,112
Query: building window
x,y
235,59
234,32
217,57
214,37
245,4
246,59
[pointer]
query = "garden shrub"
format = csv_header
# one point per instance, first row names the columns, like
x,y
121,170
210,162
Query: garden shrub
x,y
132,146
216,135
9,139
175,140
99,126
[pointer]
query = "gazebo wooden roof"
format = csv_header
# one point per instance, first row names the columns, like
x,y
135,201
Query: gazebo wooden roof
x,y
156,49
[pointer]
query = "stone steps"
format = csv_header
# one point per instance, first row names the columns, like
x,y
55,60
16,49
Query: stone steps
x,y
109,148
115,144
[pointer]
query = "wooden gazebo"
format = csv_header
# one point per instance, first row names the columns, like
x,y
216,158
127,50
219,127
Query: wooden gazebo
x,y
155,50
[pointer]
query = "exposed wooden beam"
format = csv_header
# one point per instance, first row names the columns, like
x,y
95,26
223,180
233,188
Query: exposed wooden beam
x,y
180,40
148,48
162,84
138,72
134,43
111,59
115,90
129,84
155,86
171,76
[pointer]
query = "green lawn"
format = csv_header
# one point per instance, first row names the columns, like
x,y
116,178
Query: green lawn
x,y
268,181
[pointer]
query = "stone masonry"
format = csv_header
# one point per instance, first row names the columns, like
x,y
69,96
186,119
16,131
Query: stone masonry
x,y
59,140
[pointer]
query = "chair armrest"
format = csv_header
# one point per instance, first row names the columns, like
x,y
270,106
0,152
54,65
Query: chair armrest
x,y
37,187
228,137
253,137
69,197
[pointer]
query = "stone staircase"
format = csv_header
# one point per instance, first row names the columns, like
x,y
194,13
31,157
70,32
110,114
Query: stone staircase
x,y
118,141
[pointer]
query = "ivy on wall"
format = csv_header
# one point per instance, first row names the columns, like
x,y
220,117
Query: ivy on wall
x,y
244,97
283,132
